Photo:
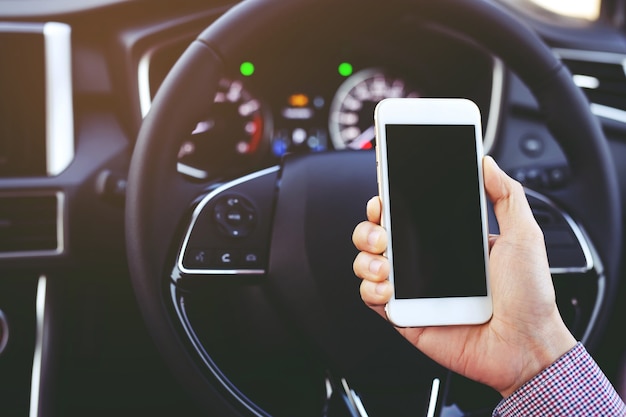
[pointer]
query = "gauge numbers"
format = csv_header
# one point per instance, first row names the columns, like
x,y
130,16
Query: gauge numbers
x,y
351,121
236,123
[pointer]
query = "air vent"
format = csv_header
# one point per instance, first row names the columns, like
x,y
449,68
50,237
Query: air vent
x,y
602,77
29,225
603,83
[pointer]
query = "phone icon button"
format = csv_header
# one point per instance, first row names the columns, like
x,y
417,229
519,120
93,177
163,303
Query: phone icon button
x,y
226,258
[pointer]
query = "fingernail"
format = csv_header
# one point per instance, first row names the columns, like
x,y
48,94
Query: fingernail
x,y
373,237
492,162
381,288
375,266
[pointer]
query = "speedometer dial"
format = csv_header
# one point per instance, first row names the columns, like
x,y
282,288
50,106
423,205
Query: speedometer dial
x,y
237,126
351,121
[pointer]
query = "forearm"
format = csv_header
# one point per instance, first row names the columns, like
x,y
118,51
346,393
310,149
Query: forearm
x,y
572,386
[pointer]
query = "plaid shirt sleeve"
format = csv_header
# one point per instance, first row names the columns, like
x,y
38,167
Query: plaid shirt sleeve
x,y
572,386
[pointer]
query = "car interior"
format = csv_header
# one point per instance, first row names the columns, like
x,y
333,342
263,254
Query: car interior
x,y
179,183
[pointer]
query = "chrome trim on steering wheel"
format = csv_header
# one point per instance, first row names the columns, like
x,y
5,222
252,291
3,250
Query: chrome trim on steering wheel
x,y
495,105
194,218
178,301
591,261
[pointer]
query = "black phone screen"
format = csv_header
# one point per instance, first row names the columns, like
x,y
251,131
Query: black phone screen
x,y
434,202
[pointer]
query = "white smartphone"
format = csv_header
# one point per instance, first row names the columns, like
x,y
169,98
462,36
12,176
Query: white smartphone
x,y
430,179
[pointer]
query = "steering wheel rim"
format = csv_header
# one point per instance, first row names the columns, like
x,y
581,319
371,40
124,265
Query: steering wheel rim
x,y
158,198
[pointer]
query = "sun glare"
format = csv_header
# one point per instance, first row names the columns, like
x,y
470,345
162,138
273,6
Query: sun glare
x,y
580,9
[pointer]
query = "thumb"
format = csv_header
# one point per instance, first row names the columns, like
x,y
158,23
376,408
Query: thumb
x,y
508,198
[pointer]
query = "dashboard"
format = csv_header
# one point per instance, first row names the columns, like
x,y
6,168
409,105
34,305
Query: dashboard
x,y
320,96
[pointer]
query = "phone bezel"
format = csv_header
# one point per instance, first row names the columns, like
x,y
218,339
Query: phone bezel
x,y
419,312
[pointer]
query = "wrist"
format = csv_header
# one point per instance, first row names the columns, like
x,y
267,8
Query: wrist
x,y
550,344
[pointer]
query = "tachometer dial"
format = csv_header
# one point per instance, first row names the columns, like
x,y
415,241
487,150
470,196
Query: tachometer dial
x,y
351,121
234,130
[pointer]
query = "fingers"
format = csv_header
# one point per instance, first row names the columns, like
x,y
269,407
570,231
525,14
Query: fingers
x,y
376,295
375,289
371,267
369,237
374,209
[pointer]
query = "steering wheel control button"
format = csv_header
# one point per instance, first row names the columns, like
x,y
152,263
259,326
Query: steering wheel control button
x,y
230,228
252,259
227,259
223,259
557,177
235,216
198,258
545,177
532,146
240,259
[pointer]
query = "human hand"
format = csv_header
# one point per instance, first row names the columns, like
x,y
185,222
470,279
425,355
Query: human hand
x,y
526,332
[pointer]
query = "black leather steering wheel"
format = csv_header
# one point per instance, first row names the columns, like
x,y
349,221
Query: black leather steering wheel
x,y
301,214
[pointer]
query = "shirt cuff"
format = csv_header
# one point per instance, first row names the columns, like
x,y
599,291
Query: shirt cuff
x,y
574,385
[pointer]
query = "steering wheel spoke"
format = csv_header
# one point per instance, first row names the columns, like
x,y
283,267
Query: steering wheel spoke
x,y
575,266
229,229
569,248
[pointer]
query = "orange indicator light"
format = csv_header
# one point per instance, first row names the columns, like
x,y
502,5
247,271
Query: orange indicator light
x,y
298,100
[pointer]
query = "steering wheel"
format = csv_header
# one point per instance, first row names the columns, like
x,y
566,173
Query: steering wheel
x,y
246,286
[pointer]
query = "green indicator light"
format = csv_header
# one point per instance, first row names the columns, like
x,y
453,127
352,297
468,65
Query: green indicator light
x,y
345,69
246,68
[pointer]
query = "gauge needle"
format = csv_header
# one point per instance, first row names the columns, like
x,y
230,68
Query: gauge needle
x,y
363,140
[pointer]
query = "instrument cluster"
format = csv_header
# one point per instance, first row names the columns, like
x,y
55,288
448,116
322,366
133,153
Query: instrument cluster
x,y
315,98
